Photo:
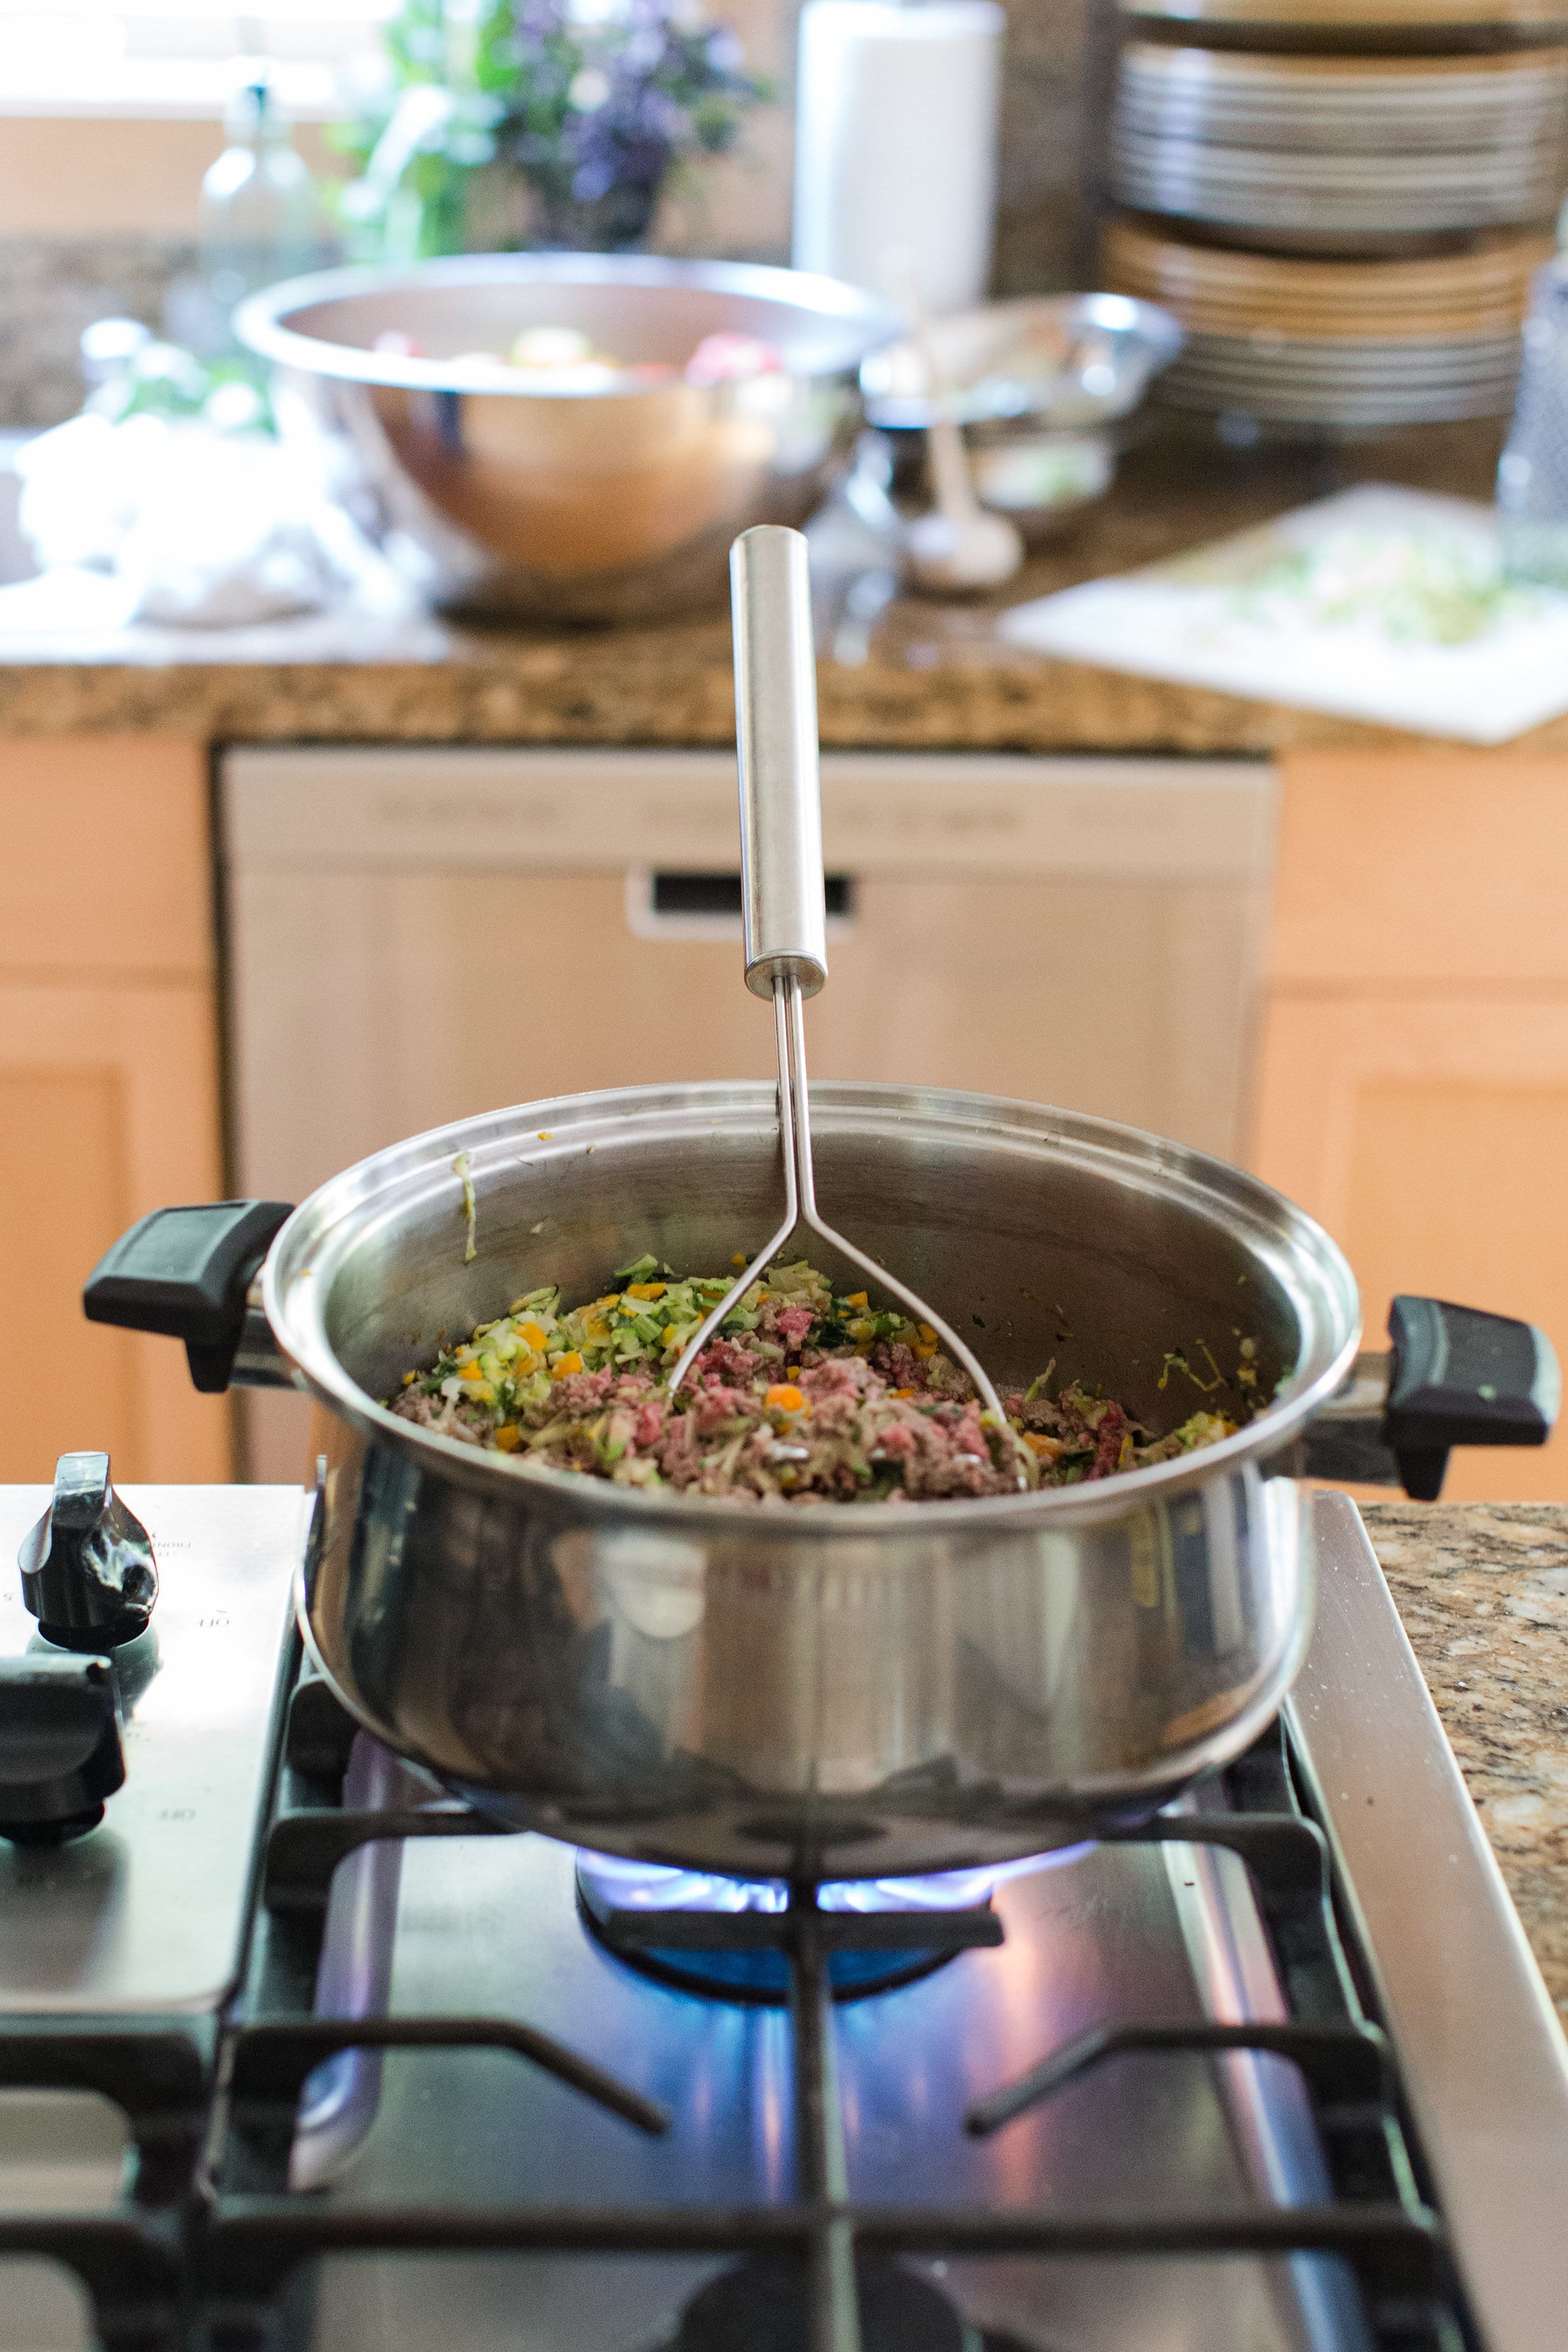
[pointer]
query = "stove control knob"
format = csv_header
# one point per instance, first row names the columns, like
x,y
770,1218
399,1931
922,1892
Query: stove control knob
x,y
59,1746
87,1572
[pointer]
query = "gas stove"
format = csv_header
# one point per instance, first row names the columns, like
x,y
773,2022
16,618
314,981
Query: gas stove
x,y
298,2052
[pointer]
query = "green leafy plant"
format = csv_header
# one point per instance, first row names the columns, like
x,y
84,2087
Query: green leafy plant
x,y
589,105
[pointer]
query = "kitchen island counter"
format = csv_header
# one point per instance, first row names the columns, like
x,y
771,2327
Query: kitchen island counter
x,y
922,675
1482,1588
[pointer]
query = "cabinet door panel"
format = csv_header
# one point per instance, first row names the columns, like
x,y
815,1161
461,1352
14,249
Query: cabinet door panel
x,y
1429,1136
107,1107
105,868
1430,869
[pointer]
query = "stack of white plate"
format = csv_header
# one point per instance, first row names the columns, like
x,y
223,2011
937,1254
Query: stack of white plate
x,y
1345,345
1372,105
1332,154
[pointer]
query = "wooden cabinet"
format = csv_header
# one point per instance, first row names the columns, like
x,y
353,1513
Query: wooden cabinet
x,y
1412,1092
109,1089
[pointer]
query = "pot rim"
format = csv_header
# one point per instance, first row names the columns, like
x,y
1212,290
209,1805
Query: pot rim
x,y
321,1233
853,324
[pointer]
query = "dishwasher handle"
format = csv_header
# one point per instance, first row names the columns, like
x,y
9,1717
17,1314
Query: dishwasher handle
x,y
188,1273
682,903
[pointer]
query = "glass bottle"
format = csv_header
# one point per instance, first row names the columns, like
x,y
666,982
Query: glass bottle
x,y
257,215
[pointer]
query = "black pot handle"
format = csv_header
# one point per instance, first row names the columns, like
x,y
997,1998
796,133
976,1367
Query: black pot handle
x,y
186,1273
1454,1376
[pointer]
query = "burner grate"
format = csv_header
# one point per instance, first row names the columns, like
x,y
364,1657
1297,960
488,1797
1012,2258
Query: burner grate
x,y
227,2247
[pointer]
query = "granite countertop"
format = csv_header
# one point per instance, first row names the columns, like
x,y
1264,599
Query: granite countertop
x,y
925,675
1483,1591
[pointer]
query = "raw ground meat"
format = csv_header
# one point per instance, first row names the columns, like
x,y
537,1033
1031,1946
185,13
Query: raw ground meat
x,y
803,1396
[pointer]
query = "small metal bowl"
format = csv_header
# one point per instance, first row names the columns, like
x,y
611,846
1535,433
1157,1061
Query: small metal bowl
x,y
507,497
1073,361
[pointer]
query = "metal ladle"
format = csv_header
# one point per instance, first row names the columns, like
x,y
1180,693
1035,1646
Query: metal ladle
x,y
782,898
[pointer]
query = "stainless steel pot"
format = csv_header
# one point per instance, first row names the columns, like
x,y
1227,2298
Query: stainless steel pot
x,y
818,1689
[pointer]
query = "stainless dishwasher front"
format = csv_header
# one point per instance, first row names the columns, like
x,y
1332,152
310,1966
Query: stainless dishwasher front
x,y
414,934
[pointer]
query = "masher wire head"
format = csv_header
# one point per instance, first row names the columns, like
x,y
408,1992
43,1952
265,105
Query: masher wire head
x,y
800,1208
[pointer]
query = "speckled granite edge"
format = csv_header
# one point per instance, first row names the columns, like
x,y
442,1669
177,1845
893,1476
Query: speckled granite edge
x,y
1483,1591
645,687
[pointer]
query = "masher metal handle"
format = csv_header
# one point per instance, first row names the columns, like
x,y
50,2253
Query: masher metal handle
x,y
775,736
785,914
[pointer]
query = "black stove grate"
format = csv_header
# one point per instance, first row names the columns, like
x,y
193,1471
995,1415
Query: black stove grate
x,y
204,2251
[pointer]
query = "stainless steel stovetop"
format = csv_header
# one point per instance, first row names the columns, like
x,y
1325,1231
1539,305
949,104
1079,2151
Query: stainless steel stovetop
x,y
1185,2186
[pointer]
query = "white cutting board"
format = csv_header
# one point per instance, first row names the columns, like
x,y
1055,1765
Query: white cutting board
x,y
1201,619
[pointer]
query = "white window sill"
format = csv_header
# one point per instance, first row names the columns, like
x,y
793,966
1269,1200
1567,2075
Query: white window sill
x,y
162,89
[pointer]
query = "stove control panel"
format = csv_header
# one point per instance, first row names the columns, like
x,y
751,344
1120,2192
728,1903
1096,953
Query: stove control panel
x,y
89,1578
135,1763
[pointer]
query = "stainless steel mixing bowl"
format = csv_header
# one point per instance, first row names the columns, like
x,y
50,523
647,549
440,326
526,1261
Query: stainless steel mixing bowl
x,y
504,497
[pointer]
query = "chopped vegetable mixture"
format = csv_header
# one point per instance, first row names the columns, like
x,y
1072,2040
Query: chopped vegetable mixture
x,y
800,1396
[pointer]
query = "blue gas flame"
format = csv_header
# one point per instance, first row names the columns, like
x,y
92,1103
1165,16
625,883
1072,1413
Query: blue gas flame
x,y
624,1886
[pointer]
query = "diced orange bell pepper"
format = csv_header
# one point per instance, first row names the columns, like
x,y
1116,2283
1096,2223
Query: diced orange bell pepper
x,y
784,1397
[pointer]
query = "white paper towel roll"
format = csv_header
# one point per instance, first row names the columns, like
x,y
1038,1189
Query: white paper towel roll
x,y
895,158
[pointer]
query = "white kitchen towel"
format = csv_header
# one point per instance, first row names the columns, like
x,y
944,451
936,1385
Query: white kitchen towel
x,y
895,161
197,528
1380,603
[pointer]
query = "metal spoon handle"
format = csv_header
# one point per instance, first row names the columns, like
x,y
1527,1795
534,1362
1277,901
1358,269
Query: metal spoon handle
x,y
775,735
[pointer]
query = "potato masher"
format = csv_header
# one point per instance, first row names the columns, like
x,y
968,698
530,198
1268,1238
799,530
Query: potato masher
x,y
783,898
